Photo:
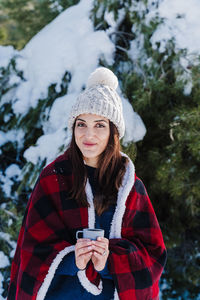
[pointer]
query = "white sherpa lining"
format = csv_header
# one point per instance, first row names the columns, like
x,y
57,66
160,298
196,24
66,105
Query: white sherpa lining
x,y
116,224
91,211
115,232
47,281
127,184
124,190
89,286
116,297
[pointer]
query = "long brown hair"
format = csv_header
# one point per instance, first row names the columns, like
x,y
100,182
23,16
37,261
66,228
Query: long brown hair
x,y
110,170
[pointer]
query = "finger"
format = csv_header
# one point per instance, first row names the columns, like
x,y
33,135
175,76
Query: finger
x,y
82,239
100,250
102,244
86,256
83,243
83,250
101,240
81,261
99,256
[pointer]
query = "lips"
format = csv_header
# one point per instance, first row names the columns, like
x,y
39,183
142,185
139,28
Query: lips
x,y
89,144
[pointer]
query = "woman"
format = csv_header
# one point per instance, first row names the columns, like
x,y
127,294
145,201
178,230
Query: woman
x,y
91,185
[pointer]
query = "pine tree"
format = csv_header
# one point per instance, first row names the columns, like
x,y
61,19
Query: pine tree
x,y
168,158
22,19
26,130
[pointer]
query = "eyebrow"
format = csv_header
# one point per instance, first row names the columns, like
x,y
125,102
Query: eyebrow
x,y
94,121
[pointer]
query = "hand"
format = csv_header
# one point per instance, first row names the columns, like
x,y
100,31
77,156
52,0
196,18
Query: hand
x,y
83,252
100,253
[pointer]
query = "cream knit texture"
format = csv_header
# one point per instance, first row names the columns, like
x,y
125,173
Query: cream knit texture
x,y
100,98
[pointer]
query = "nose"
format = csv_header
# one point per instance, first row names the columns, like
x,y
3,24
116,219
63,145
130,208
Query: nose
x,y
89,133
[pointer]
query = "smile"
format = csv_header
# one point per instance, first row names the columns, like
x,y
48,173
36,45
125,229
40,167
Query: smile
x,y
88,144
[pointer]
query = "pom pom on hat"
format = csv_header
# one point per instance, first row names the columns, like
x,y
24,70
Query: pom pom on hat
x,y
102,76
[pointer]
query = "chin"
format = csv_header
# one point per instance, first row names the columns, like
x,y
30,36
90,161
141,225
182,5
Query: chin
x,y
89,154
86,155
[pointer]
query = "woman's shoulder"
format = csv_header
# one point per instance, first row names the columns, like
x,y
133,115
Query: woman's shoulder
x,y
139,186
60,166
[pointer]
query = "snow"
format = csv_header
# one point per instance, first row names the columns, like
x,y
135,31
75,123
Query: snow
x,y
136,129
55,135
68,43
1,286
6,185
12,172
6,53
3,138
4,261
74,46
6,237
63,45
181,22
47,147
11,136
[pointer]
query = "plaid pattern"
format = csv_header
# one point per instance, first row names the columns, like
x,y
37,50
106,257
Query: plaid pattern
x,y
136,261
49,226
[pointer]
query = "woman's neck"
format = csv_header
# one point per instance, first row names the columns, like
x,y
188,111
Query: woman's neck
x,y
91,162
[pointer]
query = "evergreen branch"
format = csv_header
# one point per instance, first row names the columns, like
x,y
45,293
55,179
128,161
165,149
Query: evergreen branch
x,y
10,214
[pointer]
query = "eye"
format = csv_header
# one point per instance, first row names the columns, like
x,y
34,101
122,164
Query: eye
x,y
80,124
100,125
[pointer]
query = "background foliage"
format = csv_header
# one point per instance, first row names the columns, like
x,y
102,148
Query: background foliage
x,y
20,20
168,159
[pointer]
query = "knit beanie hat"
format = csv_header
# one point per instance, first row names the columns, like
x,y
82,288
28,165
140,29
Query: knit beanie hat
x,y
100,98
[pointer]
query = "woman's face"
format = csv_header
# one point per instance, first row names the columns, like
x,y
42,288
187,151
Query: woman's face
x,y
91,135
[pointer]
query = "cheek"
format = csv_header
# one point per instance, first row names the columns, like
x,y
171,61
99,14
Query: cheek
x,y
77,132
105,137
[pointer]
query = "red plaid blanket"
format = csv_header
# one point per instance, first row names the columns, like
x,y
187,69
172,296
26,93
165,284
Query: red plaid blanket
x,y
137,252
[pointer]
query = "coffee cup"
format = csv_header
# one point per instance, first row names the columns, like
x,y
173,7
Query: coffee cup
x,y
88,233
